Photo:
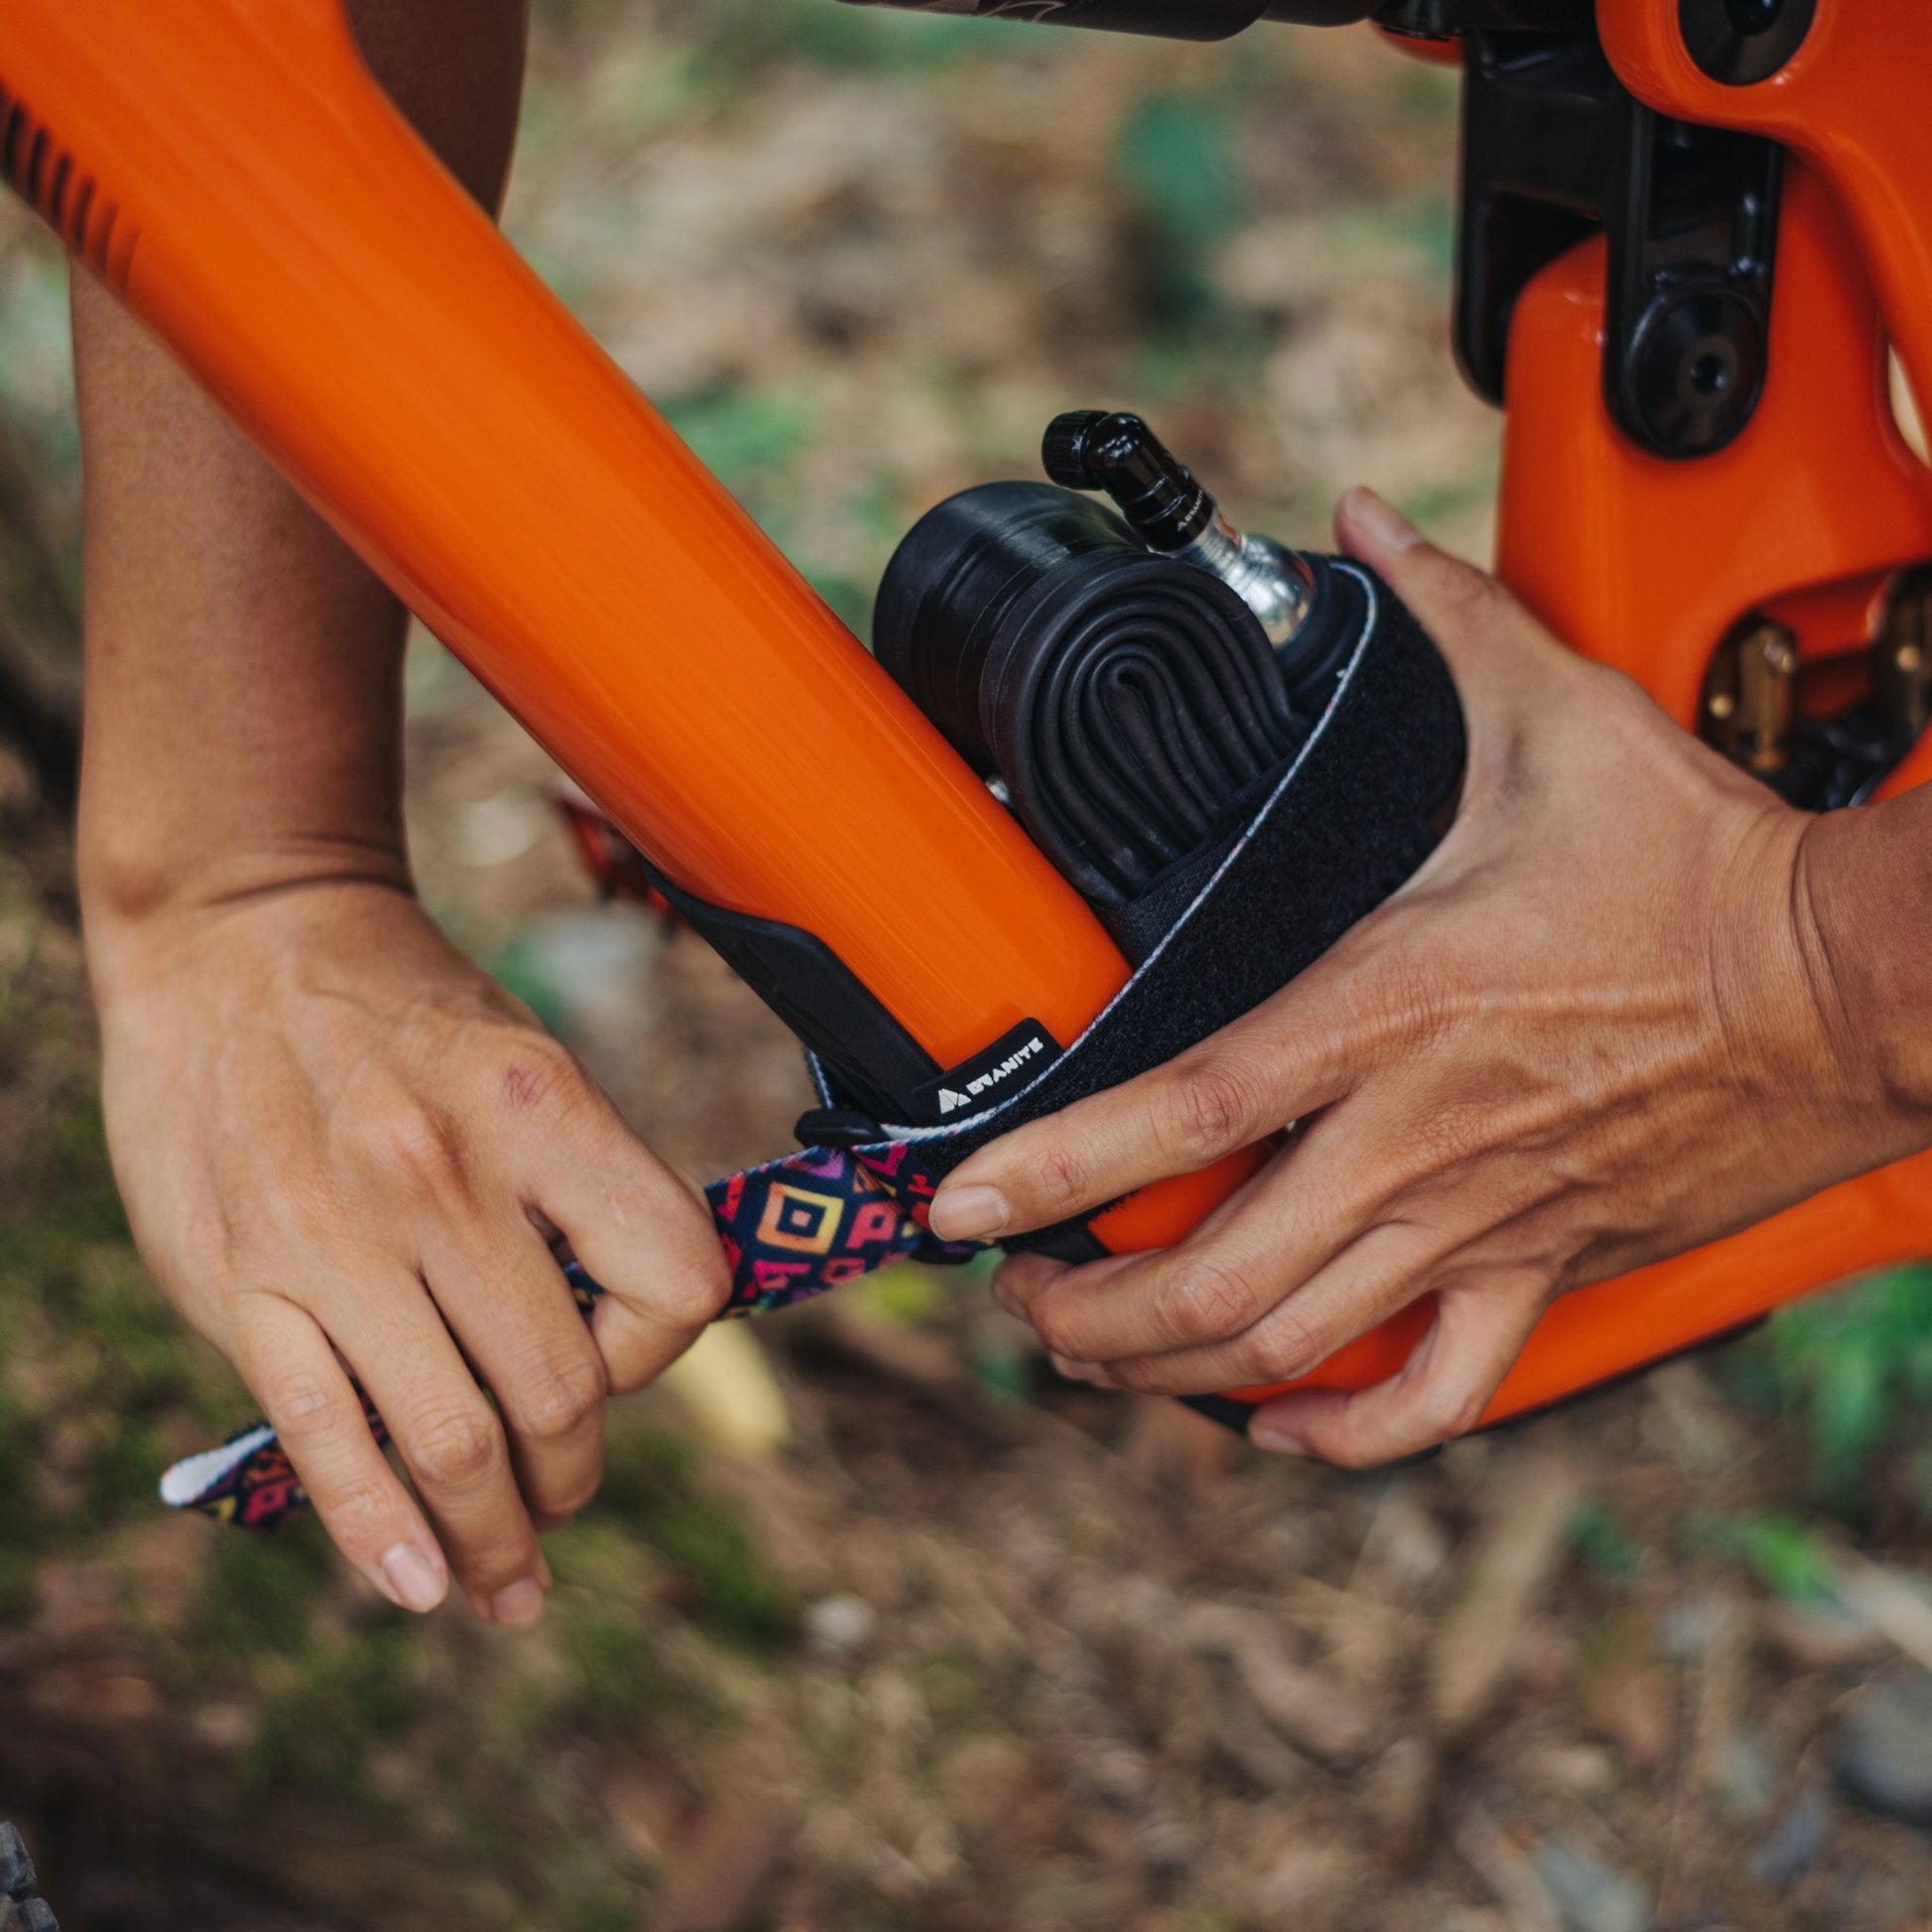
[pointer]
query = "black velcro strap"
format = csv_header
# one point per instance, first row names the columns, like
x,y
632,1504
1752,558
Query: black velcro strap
x,y
1349,821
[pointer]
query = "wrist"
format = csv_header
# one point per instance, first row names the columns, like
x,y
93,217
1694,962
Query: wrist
x,y
142,922
1799,1049
1863,898
134,881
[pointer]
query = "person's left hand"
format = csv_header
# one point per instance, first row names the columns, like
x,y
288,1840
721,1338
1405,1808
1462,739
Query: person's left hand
x,y
1598,1028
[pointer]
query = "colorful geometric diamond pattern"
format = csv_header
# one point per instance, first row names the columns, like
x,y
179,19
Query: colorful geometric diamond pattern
x,y
790,1229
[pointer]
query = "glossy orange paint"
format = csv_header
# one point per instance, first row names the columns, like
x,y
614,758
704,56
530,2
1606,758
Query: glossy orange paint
x,y
1646,565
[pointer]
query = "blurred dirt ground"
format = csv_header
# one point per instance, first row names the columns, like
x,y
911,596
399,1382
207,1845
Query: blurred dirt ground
x,y
877,1625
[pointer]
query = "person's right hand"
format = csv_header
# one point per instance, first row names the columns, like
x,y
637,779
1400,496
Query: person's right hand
x,y
343,1150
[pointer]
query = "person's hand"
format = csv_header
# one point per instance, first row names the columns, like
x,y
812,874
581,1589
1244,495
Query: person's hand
x,y
340,1144
1598,1028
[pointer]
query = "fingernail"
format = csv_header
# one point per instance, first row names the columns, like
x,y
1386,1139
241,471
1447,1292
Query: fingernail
x,y
518,1606
1383,522
1088,1372
414,1581
969,1213
1276,1440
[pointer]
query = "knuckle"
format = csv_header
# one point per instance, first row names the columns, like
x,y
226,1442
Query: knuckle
x,y
1212,1107
1443,1138
693,1296
539,1074
301,1402
422,1144
1612,688
571,1499
1409,999
558,1396
1461,590
456,1448
1057,1326
1209,1299
1291,1349
1062,1178
208,1244
357,1509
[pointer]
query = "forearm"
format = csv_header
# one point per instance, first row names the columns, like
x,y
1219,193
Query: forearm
x,y
243,707
243,668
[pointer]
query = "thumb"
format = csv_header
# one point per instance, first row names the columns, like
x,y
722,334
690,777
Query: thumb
x,y
1462,608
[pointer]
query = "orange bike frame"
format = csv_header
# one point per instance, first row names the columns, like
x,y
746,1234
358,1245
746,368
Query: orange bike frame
x,y
229,168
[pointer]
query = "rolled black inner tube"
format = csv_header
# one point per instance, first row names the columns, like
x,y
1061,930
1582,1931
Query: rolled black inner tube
x,y
1131,702
1131,722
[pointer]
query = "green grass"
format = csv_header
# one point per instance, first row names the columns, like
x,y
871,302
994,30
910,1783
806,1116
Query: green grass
x,y
258,1592
746,437
318,1732
1853,1369
748,37
1787,1557
23,1524
95,1367
1176,157
1174,161
1599,1537
616,1682
650,1490
733,42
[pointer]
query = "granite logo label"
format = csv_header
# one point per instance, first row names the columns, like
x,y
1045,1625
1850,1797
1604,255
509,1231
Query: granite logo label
x,y
1010,1062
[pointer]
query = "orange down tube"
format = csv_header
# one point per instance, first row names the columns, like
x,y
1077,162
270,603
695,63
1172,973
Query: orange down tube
x,y
230,168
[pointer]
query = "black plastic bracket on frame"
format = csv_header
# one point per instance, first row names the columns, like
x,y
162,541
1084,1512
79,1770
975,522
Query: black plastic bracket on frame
x,y
1555,148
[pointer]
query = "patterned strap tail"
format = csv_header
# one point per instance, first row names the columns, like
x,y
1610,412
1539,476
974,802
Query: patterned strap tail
x,y
790,1229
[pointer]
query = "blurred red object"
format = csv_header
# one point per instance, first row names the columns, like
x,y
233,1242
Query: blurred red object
x,y
615,862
